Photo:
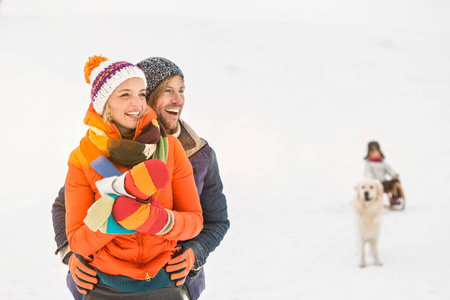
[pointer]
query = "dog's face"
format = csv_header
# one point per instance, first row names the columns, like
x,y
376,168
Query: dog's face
x,y
369,189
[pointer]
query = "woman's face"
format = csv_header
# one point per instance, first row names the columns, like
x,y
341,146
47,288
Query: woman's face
x,y
127,105
169,105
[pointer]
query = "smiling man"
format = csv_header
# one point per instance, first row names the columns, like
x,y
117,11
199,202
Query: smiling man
x,y
167,101
165,94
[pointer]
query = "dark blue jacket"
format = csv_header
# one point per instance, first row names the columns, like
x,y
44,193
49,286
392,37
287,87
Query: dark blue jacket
x,y
214,206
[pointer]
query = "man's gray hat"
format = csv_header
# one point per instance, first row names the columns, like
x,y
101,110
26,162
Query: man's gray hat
x,y
156,69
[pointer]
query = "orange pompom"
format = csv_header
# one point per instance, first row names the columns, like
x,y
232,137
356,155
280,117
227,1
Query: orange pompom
x,y
91,64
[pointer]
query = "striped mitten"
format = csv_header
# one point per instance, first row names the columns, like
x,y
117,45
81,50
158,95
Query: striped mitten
x,y
99,212
149,218
144,179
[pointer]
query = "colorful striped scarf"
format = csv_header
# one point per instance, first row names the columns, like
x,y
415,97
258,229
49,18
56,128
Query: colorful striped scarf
x,y
150,143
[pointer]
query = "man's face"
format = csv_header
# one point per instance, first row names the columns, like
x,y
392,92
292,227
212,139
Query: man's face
x,y
169,105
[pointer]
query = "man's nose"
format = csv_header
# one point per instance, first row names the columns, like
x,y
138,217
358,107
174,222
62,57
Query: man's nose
x,y
177,98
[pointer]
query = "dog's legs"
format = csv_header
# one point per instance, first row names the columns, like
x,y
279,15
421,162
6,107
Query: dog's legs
x,y
374,249
362,262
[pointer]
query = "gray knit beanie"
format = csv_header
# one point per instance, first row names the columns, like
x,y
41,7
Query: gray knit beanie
x,y
156,69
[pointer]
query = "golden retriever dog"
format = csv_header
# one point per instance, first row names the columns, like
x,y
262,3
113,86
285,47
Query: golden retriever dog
x,y
368,206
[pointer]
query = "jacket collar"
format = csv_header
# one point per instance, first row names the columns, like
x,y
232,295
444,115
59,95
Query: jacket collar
x,y
190,141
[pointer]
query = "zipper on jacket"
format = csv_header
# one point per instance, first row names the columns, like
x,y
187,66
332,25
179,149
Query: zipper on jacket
x,y
140,254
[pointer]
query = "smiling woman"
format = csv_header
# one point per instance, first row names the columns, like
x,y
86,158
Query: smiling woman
x,y
126,167
126,106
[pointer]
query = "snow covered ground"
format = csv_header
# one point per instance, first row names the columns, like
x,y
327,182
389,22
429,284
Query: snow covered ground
x,y
288,94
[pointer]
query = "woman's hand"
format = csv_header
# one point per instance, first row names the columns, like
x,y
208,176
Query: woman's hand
x,y
144,179
149,218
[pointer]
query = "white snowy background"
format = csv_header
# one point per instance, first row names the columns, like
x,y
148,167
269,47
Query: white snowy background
x,y
288,93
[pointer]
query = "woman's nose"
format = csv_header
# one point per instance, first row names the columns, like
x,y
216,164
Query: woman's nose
x,y
136,100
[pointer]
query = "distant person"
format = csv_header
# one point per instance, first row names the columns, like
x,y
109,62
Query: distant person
x,y
165,94
377,168
127,157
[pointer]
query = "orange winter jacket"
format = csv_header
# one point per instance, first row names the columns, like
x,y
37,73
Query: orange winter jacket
x,y
138,255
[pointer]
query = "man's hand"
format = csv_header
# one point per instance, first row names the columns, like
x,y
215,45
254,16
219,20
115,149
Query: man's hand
x,y
83,274
180,265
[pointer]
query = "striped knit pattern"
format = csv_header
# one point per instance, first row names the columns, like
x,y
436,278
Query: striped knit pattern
x,y
99,212
107,77
134,215
104,167
110,226
129,153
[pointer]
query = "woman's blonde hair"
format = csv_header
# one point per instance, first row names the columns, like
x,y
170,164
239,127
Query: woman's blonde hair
x,y
107,114
159,90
